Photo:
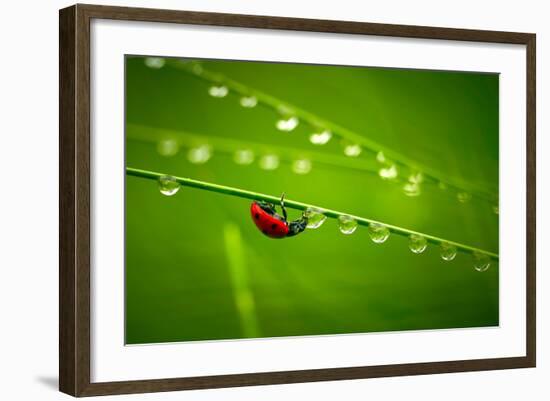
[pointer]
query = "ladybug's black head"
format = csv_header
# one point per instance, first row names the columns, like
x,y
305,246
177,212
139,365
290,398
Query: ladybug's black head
x,y
297,226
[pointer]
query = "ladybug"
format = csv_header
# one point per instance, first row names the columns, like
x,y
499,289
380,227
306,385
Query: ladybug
x,y
274,225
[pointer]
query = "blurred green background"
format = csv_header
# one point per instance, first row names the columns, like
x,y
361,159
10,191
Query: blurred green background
x,y
197,268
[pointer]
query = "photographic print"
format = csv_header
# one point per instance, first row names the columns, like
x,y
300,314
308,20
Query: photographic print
x,y
270,199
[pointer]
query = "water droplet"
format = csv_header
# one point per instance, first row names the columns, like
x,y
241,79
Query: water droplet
x,y
380,157
320,138
378,233
301,166
481,261
416,178
412,189
168,147
243,156
269,162
196,68
496,209
315,217
218,91
168,185
249,101
154,62
388,173
417,243
447,251
287,124
199,155
352,150
442,186
347,224
463,197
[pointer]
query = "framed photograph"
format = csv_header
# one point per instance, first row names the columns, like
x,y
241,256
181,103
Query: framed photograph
x,y
250,200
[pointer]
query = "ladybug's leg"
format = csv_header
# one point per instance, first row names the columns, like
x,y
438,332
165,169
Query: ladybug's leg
x,y
268,207
283,206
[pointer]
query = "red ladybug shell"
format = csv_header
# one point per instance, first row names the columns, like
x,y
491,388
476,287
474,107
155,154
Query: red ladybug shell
x,y
268,224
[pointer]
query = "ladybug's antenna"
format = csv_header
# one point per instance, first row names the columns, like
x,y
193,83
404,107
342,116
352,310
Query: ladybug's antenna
x,y
283,205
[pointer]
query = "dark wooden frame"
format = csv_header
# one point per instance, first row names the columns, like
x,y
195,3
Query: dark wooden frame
x,y
74,199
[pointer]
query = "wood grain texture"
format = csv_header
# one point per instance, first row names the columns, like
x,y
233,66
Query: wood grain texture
x,y
301,24
531,244
74,207
67,130
301,376
74,199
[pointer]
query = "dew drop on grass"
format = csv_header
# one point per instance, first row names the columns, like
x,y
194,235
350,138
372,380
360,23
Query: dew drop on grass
x,y
352,150
168,185
243,156
412,189
200,154
168,147
447,251
416,178
320,138
315,217
269,162
218,91
481,261
388,173
301,166
196,67
463,197
417,243
495,209
248,102
378,233
347,224
287,124
154,62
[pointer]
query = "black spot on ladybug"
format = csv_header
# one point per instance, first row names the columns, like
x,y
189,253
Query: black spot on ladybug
x,y
257,216
273,226
265,232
